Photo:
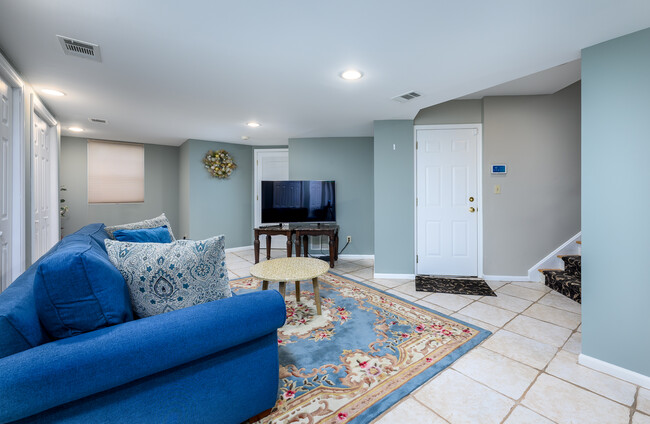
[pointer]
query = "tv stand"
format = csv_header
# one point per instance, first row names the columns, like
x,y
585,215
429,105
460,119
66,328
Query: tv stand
x,y
302,233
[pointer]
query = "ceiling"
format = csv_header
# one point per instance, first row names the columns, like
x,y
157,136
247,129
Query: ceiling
x,y
203,69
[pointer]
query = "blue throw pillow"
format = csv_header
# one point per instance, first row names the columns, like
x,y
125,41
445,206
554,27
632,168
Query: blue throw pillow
x,y
144,235
77,289
164,277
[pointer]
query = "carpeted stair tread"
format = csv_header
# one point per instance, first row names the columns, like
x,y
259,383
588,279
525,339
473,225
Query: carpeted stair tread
x,y
564,283
572,265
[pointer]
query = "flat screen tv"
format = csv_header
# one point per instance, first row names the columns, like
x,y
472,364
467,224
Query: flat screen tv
x,y
298,201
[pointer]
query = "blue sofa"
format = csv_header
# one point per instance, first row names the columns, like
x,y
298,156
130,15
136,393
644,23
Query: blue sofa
x,y
210,363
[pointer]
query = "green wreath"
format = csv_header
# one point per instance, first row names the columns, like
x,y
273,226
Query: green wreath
x,y
219,164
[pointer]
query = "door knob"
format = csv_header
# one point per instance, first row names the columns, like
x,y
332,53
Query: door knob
x,y
471,209
471,199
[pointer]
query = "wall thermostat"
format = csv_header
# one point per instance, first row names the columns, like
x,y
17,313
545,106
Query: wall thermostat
x,y
499,169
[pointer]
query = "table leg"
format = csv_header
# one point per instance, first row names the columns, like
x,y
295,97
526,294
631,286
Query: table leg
x,y
298,245
297,291
256,243
332,252
289,244
268,247
265,285
336,246
316,295
305,242
283,288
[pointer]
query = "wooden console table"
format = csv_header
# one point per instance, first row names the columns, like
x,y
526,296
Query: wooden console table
x,y
302,232
274,230
329,230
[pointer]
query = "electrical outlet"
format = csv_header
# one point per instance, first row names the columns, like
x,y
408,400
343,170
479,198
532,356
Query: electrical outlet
x,y
497,189
349,239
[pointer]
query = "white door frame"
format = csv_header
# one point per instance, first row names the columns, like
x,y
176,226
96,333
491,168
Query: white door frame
x,y
11,77
256,217
53,133
479,184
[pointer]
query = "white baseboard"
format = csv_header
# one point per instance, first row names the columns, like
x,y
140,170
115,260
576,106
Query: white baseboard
x,y
395,276
356,257
238,249
506,278
534,274
614,370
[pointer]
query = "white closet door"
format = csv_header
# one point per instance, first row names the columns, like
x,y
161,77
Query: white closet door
x,y
5,184
270,165
41,188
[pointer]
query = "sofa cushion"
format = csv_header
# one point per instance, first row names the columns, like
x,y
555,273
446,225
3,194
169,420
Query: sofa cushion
x,y
158,221
77,289
20,328
144,235
171,276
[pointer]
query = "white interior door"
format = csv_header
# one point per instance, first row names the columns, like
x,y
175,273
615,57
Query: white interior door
x,y
270,165
447,192
6,172
41,188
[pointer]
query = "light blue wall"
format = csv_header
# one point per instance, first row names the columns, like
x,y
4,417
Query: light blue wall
x,y
451,112
219,206
348,161
615,201
184,190
394,197
160,188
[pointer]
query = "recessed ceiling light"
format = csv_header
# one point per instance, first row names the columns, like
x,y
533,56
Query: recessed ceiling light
x,y
253,124
52,92
351,74
244,137
75,129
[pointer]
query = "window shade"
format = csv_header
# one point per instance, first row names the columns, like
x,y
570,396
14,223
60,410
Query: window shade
x,y
115,172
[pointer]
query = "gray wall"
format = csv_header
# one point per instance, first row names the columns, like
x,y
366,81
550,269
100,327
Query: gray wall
x,y
218,206
615,177
394,205
538,137
160,188
452,112
348,161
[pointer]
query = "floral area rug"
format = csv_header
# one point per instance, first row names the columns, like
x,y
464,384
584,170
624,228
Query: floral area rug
x,y
365,352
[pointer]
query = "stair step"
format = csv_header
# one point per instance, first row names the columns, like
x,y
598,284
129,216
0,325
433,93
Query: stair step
x,y
563,283
573,265
542,270
579,241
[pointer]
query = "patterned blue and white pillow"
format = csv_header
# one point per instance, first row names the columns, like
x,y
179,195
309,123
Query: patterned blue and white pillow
x,y
164,277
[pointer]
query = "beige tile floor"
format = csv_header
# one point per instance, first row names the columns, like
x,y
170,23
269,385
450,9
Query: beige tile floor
x,y
527,372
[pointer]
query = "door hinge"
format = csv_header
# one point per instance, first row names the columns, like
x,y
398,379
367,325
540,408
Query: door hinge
x,y
417,259
416,145
257,163
416,201
257,197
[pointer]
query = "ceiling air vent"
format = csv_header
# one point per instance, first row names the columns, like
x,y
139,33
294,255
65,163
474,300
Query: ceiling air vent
x,y
79,48
403,98
98,121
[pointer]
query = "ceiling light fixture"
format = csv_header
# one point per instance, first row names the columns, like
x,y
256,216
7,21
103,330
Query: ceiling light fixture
x,y
254,124
351,74
75,129
52,92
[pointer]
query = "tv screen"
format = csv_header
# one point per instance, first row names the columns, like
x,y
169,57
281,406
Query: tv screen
x,y
298,201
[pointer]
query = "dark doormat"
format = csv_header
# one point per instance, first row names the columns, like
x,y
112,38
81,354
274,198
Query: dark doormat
x,y
436,284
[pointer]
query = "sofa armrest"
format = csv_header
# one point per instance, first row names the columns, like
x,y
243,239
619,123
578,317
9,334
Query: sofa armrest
x,y
65,370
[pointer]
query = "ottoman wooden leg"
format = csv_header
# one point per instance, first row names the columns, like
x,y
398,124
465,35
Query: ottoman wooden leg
x,y
265,285
316,295
283,288
297,291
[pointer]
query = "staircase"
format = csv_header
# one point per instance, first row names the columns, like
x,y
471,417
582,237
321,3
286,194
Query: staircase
x,y
566,281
